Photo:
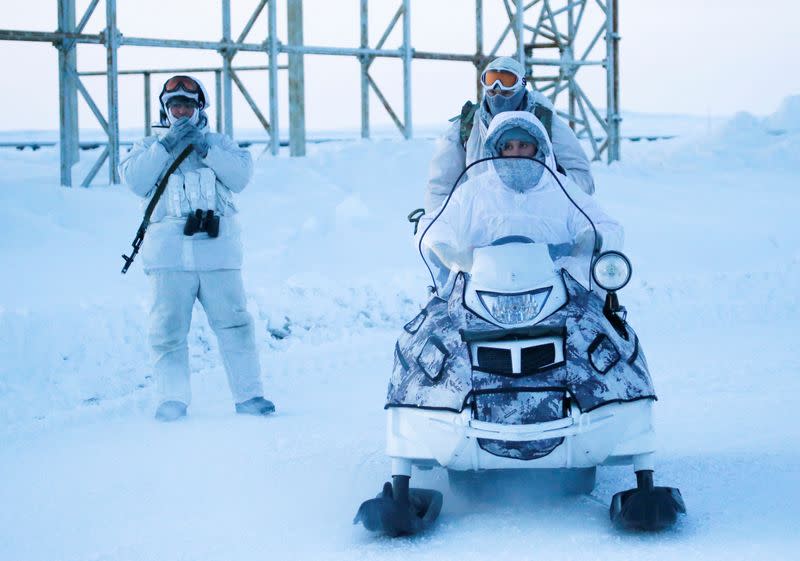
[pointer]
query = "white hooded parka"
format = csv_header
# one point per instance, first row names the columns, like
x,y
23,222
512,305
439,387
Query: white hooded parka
x,y
198,183
484,209
451,157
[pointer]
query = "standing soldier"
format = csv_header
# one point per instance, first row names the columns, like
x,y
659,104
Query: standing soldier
x,y
193,248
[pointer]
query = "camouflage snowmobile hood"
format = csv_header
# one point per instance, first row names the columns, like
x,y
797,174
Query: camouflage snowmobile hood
x,y
433,368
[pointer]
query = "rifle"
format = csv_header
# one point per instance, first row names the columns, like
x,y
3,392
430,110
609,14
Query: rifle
x,y
162,185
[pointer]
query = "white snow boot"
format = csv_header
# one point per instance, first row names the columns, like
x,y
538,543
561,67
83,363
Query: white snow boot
x,y
170,411
255,406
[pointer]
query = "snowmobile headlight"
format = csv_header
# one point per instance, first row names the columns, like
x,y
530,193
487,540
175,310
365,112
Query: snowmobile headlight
x,y
611,270
512,309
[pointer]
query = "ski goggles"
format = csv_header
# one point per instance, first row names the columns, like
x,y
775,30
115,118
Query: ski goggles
x,y
502,80
180,102
181,83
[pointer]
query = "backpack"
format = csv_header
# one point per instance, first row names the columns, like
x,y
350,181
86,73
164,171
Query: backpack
x,y
467,120
469,110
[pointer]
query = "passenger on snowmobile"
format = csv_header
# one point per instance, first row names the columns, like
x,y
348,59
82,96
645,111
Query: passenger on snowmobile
x,y
504,87
193,249
518,197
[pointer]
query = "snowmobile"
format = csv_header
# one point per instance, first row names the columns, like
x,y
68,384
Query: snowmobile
x,y
515,365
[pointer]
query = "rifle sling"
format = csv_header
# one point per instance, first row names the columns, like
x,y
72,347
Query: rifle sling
x,y
162,186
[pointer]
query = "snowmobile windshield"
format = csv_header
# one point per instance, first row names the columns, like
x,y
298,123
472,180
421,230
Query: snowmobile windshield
x,y
485,211
519,193
556,251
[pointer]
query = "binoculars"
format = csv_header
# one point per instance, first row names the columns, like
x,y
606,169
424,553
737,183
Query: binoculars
x,y
202,222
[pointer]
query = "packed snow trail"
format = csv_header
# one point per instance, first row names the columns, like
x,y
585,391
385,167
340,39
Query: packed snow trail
x,y
85,473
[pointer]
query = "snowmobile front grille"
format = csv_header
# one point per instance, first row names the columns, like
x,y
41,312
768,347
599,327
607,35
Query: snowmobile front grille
x,y
491,359
536,358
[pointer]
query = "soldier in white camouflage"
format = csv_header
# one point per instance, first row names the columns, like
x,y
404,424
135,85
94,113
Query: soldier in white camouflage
x,y
504,87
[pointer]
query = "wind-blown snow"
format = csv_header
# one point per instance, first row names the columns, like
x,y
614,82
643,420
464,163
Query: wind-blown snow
x,y
787,117
332,274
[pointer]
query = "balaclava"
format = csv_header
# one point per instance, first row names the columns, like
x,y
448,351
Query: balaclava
x,y
519,174
195,117
181,93
499,103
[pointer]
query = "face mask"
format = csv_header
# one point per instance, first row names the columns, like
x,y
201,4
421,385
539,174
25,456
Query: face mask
x,y
499,103
194,119
519,174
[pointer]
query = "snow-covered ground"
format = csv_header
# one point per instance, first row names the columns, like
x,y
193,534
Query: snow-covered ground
x,y
86,474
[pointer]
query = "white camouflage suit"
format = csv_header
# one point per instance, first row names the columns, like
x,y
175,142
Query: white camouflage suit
x,y
452,156
484,208
184,268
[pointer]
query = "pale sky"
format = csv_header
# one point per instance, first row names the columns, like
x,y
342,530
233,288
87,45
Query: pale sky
x,y
678,56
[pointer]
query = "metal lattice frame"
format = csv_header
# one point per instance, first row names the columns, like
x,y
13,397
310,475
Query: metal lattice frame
x,y
560,28
546,34
552,39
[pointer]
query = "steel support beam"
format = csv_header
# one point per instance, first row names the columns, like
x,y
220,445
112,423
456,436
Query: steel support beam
x,y
89,101
218,98
612,80
95,168
251,102
249,25
519,30
112,42
571,32
274,47
479,60
148,104
227,81
68,93
365,61
49,36
297,87
87,15
408,53
386,105
182,70
568,15
580,110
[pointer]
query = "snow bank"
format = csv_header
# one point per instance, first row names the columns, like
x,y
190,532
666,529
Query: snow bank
x,y
787,117
741,142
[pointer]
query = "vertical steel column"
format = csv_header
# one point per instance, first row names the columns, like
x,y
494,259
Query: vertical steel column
x,y
519,28
112,43
227,58
408,129
148,118
479,64
571,33
218,98
68,93
272,17
297,87
364,69
617,105
612,81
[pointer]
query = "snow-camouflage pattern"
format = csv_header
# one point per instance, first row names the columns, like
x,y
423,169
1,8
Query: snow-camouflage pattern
x,y
409,384
520,408
582,376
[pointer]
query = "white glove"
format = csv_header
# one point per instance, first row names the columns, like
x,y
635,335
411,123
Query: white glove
x,y
585,243
452,258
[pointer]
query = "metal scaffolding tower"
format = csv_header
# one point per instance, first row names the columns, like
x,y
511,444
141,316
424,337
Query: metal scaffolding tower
x,y
547,36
